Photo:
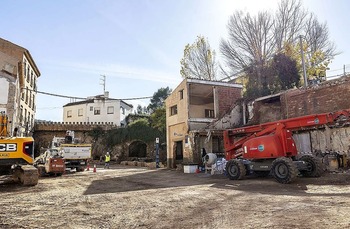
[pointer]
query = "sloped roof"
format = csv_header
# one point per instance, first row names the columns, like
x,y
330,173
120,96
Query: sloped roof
x,y
92,101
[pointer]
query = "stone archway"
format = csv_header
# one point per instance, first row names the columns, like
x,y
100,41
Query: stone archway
x,y
138,149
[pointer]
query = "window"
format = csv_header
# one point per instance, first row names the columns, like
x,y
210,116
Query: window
x,y
26,95
25,68
91,108
69,114
80,112
21,115
123,110
28,75
173,110
181,94
33,102
209,113
30,99
110,110
25,116
97,111
31,79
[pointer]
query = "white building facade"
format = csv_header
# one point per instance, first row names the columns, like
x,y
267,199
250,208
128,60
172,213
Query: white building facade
x,y
99,110
18,80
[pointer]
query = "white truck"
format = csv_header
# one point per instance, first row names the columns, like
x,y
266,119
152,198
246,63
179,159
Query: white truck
x,y
76,154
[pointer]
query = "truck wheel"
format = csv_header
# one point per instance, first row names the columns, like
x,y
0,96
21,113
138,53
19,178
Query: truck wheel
x,y
284,170
41,170
80,169
235,169
314,166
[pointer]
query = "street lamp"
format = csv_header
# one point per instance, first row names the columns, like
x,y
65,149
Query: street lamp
x,y
302,60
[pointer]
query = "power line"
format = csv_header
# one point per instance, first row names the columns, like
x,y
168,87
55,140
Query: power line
x,y
48,108
80,98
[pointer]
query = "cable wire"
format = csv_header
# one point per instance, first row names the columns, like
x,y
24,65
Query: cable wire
x,y
74,97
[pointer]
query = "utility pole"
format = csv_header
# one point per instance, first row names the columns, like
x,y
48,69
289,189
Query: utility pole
x,y
302,60
103,83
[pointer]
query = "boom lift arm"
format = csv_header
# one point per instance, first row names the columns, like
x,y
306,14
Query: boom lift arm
x,y
235,138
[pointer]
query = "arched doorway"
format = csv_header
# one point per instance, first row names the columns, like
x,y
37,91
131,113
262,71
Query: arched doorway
x,y
138,149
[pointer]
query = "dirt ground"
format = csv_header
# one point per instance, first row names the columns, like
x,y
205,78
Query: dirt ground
x,y
133,197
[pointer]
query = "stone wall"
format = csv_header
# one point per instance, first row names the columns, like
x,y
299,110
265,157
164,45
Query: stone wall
x,y
45,131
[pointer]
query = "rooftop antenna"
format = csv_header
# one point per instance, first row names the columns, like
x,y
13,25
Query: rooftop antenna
x,y
103,82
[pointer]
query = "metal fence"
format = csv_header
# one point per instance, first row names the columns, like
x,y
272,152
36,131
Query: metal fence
x,y
336,73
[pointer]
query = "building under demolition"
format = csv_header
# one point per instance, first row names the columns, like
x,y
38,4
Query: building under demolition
x,y
199,111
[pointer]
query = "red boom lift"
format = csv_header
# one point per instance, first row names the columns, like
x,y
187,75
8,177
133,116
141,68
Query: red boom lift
x,y
269,147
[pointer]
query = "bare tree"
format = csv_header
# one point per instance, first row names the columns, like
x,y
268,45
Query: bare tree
x,y
254,40
317,37
289,22
199,60
250,43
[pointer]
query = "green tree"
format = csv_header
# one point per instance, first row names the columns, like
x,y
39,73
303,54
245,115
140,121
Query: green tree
x,y
316,62
254,87
96,133
158,119
137,130
198,60
139,123
284,73
157,101
139,109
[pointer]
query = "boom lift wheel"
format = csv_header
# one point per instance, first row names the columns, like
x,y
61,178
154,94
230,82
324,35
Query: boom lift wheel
x,y
314,166
235,169
284,170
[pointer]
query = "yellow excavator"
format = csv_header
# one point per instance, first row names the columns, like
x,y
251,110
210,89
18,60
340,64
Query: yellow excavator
x,y
16,156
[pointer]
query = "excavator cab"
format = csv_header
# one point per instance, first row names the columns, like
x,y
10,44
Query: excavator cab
x,y
16,155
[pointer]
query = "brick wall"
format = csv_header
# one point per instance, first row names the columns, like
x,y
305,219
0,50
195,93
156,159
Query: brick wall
x,y
327,97
227,98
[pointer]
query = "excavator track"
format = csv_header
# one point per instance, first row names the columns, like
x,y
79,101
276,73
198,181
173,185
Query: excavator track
x,y
27,175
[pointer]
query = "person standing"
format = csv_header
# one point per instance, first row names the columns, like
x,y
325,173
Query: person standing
x,y
107,160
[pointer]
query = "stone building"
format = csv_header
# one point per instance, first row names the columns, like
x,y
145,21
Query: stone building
x,y
190,109
18,77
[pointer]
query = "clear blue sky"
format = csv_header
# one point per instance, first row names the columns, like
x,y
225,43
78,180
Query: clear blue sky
x,y
137,44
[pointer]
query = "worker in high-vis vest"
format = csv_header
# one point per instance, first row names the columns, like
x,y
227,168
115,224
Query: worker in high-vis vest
x,y
107,160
